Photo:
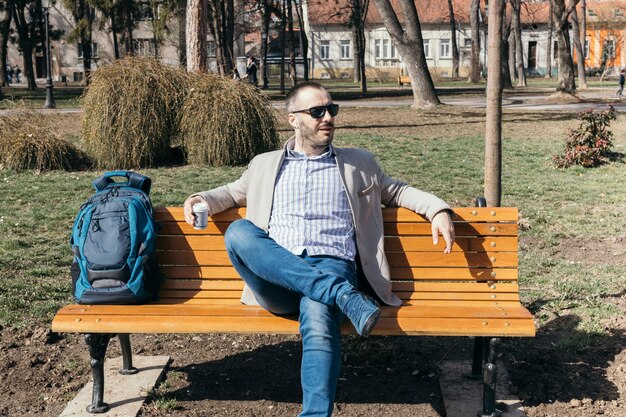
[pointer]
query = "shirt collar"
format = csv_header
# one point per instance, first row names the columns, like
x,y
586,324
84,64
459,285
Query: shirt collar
x,y
290,153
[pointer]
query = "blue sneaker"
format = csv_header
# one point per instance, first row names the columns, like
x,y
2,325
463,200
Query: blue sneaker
x,y
361,309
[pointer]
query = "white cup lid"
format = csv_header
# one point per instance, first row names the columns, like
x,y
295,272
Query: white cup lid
x,y
200,207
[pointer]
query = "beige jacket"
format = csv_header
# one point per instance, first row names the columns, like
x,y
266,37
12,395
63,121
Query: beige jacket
x,y
367,187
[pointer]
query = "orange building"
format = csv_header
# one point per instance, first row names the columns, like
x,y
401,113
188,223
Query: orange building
x,y
605,40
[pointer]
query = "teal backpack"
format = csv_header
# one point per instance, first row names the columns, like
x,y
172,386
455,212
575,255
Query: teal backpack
x,y
113,240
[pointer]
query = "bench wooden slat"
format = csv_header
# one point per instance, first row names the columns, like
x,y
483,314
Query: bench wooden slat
x,y
469,287
452,311
401,229
284,325
449,274
396,259
392,243
467,214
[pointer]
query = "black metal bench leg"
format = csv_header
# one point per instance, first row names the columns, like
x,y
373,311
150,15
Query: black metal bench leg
x,y
127,355
489,382
97,343
478,358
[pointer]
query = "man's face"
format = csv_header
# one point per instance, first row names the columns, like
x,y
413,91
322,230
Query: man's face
x,y
312,134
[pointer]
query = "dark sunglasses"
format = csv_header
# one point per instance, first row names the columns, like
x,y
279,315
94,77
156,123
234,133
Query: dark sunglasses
x,y
319,111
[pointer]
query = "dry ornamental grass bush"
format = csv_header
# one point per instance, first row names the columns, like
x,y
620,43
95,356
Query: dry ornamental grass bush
x,y
26,144
225,122
131,113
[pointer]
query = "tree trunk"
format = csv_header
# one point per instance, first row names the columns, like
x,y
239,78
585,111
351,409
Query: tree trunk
x,y
282,48
128,29
116,46
566,81
357,55
5,28
475,27
195,36
580,52
267,15
519,51
293,75
182,36
304,41
512,66
505,32
549,46
221,18
410,44
493,125
25,43
455,48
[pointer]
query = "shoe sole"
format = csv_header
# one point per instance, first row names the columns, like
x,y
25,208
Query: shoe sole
x,y
371,323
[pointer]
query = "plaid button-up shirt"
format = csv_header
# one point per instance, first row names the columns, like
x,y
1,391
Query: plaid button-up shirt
x,y
311,210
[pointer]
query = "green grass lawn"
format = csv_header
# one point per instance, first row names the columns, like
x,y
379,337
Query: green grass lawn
x,y
572,246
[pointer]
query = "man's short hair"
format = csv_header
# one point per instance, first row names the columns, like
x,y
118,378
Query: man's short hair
x,y
292,95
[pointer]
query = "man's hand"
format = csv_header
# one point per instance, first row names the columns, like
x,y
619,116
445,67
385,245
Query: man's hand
x,y
188,208
442,223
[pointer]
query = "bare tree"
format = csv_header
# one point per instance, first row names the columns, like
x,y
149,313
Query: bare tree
x,y
519,52
549,45
304,40
5,30
580,53
25,18
475,26
195,36
561,12
506,33
410,45
84,15
221,18
493,125
292,46
455,48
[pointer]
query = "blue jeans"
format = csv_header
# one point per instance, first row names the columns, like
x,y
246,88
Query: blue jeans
x,y
284,283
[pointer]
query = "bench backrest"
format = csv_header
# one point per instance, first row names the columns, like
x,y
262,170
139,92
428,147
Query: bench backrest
x,y
482,268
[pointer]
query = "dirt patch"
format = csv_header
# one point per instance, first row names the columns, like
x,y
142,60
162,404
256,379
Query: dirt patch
x,y
595,250
257,375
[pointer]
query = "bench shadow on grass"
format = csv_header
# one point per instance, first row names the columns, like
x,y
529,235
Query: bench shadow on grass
x,y
564,363
379,370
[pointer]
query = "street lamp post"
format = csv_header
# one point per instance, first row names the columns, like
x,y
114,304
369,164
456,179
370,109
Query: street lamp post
x,y
49,104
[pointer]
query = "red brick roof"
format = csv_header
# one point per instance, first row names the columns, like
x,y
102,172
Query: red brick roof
x,y
334,12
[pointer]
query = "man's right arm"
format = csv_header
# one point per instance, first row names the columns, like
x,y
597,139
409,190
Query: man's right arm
x,y
218,199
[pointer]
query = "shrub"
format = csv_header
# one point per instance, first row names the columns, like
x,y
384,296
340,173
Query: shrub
x,y
225,122
25,143
591,144
131,112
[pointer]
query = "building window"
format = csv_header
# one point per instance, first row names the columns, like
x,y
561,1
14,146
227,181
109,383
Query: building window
x,y
587,47
468,42
591,13
609,48
384,49
324,49
427,48
345,49
94,50
444,48
144,47
211,49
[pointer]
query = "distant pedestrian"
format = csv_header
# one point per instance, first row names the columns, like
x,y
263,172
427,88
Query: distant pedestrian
x,y
9,72
251,71
17,71
622,79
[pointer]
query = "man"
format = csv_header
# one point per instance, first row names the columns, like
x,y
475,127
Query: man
x,y
622,80
251,71
309,207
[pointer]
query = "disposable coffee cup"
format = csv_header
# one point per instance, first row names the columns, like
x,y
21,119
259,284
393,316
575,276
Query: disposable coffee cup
x,y
201,210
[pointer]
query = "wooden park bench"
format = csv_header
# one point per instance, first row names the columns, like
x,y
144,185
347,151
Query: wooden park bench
x,y
471,292
403,79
